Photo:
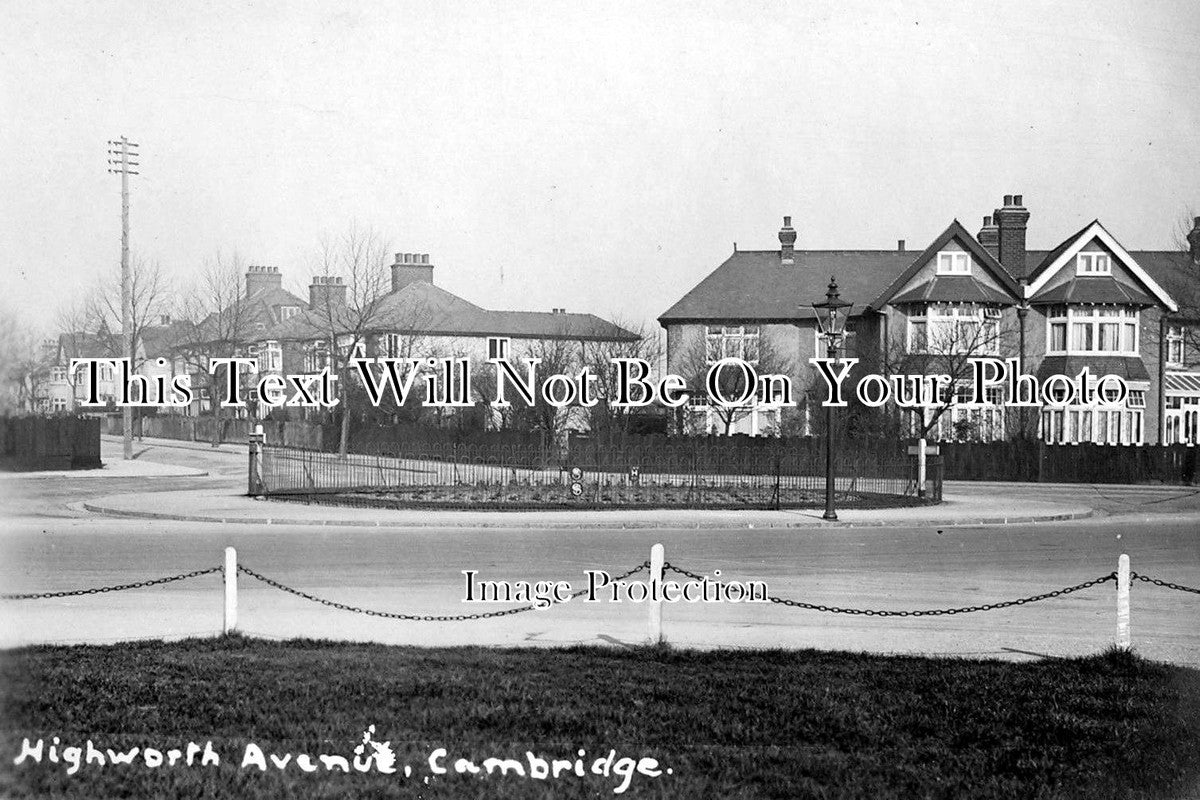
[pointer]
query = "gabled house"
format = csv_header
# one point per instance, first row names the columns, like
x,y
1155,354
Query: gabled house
x,y
1086,303
417,318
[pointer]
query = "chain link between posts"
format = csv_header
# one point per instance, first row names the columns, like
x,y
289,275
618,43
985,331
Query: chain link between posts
x,y
1166,584
421,617
645,565
933,612
118,588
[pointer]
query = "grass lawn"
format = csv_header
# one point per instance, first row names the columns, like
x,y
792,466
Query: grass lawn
x,y
726,724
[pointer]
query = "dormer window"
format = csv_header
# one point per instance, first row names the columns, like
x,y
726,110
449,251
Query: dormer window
x,y
287,312
953,262
1093,264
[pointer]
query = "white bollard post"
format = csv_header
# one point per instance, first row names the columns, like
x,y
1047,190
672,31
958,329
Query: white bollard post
x,y
921,467
657,558
230,590
1123,637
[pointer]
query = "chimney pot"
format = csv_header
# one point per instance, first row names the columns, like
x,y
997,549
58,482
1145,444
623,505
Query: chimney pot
x,y
1017,200
1008,200
900,245
787,242
987,222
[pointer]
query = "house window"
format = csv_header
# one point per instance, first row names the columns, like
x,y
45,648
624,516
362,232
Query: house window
x,y
390,345
1175,345
731,341
316,356
58,374
1111,330
287,312
274,356
953,328
953,262
1097,424
1093,264
58,404
497,348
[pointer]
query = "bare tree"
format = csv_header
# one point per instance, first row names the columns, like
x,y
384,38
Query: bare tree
x,y
598,356
697,360
151,295
947,346
348,313
221,323
77,324
22,366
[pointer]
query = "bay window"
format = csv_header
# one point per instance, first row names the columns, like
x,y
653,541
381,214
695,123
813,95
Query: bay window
x,y
1105,330
953,328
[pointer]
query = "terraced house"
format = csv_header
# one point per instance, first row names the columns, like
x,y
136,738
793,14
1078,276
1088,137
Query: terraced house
x,y
1089,302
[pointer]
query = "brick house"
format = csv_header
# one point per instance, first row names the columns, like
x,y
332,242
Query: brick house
x,y
1086,303
417,318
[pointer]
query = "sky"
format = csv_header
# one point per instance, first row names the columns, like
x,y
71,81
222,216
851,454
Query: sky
x,y
599,157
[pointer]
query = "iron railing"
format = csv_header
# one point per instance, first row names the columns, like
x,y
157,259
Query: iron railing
x,y
467,477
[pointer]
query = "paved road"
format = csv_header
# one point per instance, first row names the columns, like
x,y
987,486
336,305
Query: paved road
x,y
48,546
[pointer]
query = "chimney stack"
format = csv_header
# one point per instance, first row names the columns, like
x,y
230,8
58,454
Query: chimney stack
x,y
989,237
326,291
259,278
1193,238
410,268
787,243
1011,221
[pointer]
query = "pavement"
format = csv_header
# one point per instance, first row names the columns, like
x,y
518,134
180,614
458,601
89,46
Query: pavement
x,y
224,505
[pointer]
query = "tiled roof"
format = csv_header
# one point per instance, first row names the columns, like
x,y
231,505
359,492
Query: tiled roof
x,y
422,308
954,231
755,284
954,288
1093,290
88,345
1128,367
271,296
1038,260
1176,273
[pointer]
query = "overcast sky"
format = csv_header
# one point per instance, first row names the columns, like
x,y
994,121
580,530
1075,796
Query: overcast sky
x,y
596,156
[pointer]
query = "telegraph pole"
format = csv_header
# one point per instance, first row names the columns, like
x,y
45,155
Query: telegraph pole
x,y
124,151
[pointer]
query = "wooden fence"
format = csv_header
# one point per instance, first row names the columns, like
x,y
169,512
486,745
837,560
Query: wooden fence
x,y
50,443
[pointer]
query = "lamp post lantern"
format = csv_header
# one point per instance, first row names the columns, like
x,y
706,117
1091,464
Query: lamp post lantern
x,y
831,325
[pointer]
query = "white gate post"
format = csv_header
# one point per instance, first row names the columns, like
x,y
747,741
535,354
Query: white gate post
x,y
921,467
230,590
657,558
1123,637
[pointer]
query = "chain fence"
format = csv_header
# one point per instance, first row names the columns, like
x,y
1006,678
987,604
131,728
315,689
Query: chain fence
x,y
118,588
644,566
420,617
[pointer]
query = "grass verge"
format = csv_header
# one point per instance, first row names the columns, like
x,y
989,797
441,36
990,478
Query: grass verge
x,y
726,724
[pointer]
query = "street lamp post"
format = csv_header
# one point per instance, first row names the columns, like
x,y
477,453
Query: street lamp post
x,y
831,324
